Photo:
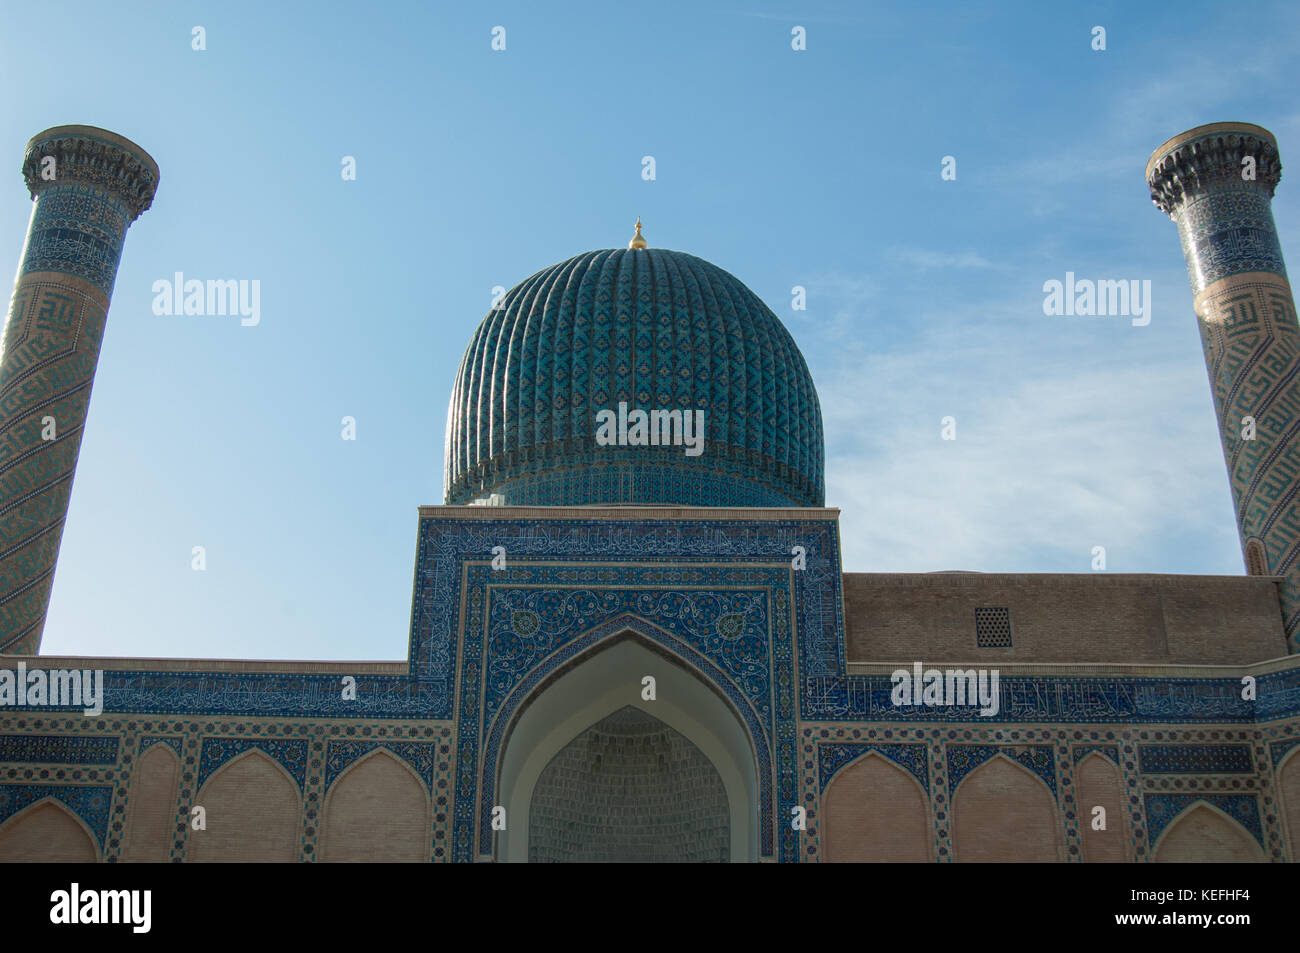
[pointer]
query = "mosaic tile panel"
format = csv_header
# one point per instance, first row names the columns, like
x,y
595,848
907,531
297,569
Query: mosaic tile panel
x,y
58,749
447,544
1227,232
1279,749
422,756
290,753
1252,348
77,230
251,694
963,759
913,758
760,733
148,741
1195,759
1053,698
1082,751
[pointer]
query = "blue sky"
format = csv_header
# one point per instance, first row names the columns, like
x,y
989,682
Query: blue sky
x,y
477,168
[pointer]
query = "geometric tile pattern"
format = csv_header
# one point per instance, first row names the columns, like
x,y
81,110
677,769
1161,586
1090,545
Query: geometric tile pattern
x,y
58,749
421,756
311,735
1228,231
1279,749
1195,759
645,790
657,330
669,557
148,741
1252,348
963,759
1108,751
913,758
1064,699
962,749
761,731
290,753
717,595
78,230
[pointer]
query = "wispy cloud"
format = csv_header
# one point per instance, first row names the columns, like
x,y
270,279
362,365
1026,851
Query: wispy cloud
x,y
1041,471
1069,435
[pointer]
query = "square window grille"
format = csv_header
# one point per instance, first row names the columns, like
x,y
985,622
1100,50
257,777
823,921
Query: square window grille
x,y
993,628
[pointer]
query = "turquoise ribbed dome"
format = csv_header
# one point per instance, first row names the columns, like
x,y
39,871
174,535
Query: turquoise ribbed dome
x,y
658,330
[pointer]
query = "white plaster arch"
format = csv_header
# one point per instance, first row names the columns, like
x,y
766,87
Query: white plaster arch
x,y
607,679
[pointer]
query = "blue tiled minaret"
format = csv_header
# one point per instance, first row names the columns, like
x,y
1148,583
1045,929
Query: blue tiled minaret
x,y
88,186
1217,182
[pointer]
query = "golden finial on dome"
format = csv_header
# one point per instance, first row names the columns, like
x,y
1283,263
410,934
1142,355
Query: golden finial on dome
x,y
637,241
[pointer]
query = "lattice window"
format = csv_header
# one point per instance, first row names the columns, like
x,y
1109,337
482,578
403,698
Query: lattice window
x,y
992,628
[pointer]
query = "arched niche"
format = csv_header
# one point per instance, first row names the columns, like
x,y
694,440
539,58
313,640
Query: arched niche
x,y
602,681
252,811
151,810
1003,812
875,811
629,789
1098,783
47,832
1201,833
376,810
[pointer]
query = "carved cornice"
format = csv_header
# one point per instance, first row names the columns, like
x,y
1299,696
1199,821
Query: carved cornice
x,y
1208,156
97,157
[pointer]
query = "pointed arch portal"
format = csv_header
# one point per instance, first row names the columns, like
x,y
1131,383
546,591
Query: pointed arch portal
x,y
606,681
